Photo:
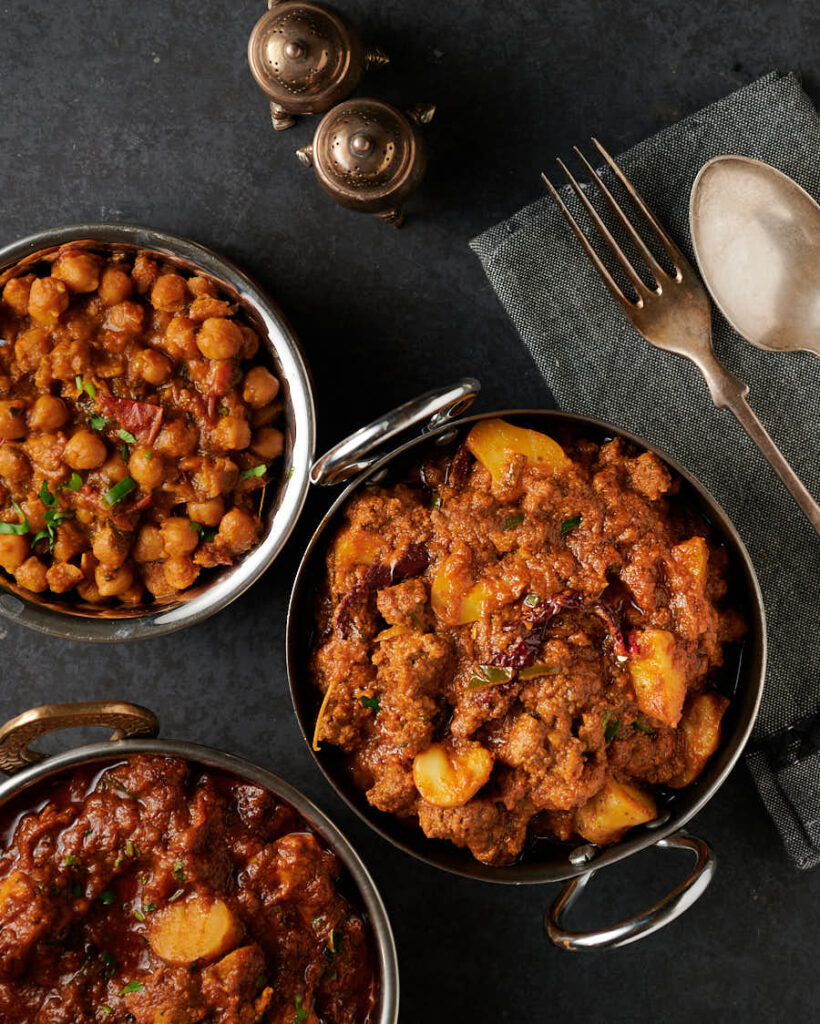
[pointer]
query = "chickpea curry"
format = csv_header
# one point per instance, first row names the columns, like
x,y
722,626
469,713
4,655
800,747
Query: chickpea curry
x,y
137,433
523,640
153,891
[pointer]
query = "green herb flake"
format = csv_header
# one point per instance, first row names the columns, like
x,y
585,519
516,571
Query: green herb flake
x,y
74,483
435,501
179,871
569,525
532,600
16,528
490,675
138,914
70,860
124,453
224,411
77,891
129,848
127,436
259,470
118,492
511,522
107,897
85,385
301,1012
611,727
110,965
209,536
132,986
149,908
107,1010
534,671
196,527
97,422
643,727
47,498
372,703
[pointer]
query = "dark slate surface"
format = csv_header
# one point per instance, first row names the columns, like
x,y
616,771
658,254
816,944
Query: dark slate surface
x,y
146,112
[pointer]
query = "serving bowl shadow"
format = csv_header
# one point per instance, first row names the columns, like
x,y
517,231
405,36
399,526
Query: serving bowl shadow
x,y
79,621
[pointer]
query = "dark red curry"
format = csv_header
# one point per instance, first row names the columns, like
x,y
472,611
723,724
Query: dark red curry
x,y
155,891
524,640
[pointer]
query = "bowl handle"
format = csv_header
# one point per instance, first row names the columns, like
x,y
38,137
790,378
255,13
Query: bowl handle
x,y
633,928
126,720
358,451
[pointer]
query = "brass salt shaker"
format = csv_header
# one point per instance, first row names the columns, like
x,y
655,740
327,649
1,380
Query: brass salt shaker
x,y
306,57
369,157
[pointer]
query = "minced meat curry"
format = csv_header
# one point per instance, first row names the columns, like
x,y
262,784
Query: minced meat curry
x,y
137,432
154,891
523,640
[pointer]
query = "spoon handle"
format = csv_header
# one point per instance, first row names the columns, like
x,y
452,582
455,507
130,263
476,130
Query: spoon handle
x,y
758,433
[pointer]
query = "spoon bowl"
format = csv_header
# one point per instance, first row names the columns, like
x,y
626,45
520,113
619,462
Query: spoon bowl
x,y
756,235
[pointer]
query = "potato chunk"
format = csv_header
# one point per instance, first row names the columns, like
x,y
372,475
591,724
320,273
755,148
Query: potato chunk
x,y
613,811
660,685
495,442
200,928
453,595
700,726
448,777
693,555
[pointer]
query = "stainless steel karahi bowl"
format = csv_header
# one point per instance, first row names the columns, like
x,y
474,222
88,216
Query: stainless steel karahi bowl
x,y
108,625
543,861
134,730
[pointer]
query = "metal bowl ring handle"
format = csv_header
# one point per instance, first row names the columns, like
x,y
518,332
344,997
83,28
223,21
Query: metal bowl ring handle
x,y
359,451
127,720
657,916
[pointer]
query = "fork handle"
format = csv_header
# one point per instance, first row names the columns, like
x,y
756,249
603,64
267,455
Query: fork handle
x,y
730,393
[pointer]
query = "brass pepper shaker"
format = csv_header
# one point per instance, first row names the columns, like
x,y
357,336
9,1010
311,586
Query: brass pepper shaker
x,y
369,157
306,57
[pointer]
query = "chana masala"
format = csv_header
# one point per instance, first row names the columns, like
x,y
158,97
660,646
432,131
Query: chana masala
x,y
156,891
137,431
523,640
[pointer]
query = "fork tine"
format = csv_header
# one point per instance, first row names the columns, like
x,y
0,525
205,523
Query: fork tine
x,y
606,234
657,270
672,250
597,262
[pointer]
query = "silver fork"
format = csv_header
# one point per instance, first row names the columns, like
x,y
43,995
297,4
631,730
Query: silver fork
x,y
675,315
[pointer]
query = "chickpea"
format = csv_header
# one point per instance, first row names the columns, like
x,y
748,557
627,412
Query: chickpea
x,y
114,469
133,595
48,413
153,575
87,590
13,464
62,577
219,338
16,293
201,286
152,366
115,286
84,451
31,347
260,387
32,575
125,316
169,293
111,582
79,270
71,540
268,443
207,512
180,572
12,421
180,338
150,546
232,433
266,415
110,548
237,530
179,537
177,439
145,272
146,468
47,299
215,477
205,306
250,341
13,551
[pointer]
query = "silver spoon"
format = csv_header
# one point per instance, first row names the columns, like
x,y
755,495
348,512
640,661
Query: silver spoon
x,y
756,236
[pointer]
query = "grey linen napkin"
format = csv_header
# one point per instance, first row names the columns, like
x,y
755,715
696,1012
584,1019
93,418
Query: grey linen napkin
x,y
595,363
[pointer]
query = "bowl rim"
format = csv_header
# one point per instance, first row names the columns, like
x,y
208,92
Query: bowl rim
x,y
639,838
282,342
213,757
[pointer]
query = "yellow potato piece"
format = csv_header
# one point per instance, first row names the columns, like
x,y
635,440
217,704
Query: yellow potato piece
x,y
454,597
357,547
660,685
612,811
200,928
446,777
16,888
700,726
495,442
693,555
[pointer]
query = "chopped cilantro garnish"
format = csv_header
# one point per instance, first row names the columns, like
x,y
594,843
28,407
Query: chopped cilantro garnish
x,y
370,702
179,871
47,498
125,453
259,470
16,528
127,436
223,411
70,860
110,964
149,908
74,484
301,1012
611,727
138,914
77,891
107,1010
569,525
97,422
643,727
209,535
511,522
196,527
118,492
107,897
85,385
132,986
531,600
